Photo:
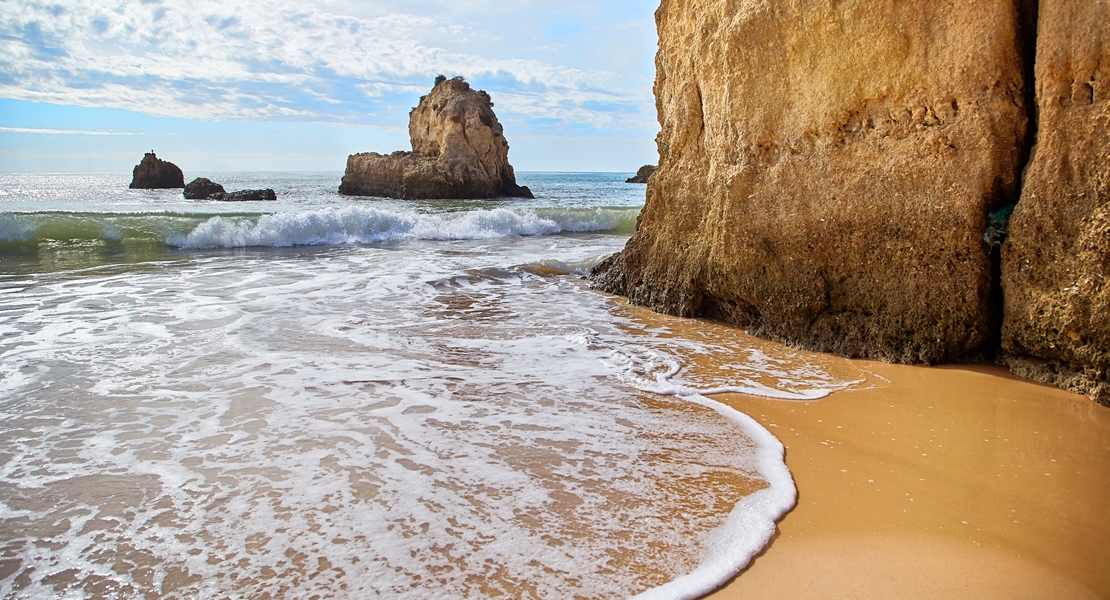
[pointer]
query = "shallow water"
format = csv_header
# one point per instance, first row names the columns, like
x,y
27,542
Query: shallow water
x,y
344,397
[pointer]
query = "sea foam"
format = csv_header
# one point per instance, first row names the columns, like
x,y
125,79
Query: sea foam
x,y
403,420
752,521
358,224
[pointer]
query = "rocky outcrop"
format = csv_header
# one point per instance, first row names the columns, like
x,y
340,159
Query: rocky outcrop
x,y
250,196
458,151
1056,260
642,175
826,171
203,188
154,173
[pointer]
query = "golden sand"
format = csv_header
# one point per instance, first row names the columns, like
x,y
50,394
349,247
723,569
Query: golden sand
x,y
953,482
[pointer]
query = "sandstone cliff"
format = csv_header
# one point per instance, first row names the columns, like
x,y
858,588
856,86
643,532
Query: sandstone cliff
x,y
1057,259
154,173
458,151
826,171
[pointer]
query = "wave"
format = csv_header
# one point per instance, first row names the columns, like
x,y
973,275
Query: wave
x,y
751,524
328,226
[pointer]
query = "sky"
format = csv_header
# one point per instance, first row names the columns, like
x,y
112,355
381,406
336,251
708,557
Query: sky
x,y
298,85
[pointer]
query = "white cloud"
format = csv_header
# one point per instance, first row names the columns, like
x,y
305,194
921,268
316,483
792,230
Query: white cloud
x,y
42,131
280,60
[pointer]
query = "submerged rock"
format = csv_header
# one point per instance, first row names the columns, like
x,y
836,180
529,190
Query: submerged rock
x,y
1056,261
202,188
642,175
154,173
458,151
826,171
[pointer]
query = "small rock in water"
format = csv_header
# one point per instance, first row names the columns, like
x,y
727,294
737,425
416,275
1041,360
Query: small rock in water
x,y
202,188
642,175
250,195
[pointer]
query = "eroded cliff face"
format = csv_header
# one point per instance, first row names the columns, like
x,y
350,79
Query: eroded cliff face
x,y
1057,259
826,170
458,151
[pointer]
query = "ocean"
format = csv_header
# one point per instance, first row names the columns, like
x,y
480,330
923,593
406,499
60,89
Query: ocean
x,y
335,397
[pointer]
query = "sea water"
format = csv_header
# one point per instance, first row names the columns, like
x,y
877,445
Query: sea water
x,y
342,397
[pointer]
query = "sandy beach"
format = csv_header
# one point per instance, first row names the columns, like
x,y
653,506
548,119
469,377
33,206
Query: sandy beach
x,y
957,482
954,482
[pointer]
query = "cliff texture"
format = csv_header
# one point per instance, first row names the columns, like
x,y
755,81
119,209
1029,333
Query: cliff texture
x,y
458,151
1057,259
826,171
154,173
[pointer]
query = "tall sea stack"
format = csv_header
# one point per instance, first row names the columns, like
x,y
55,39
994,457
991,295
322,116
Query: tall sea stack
x,y
458,151
154,173
838,177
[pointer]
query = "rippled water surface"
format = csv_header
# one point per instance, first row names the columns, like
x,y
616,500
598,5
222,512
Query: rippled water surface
x,y
336,397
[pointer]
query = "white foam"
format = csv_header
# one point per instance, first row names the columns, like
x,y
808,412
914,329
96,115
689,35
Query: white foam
x,y
359,224
752,521
641,369
751,524
242,409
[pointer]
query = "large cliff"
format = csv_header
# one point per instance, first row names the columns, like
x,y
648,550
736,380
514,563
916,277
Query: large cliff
x,y
1057,259
826,171
458,151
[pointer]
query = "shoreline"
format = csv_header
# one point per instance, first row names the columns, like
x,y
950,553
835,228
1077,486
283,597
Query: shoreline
x,y
938,482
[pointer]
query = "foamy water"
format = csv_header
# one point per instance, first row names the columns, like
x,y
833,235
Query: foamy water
x,y
350,398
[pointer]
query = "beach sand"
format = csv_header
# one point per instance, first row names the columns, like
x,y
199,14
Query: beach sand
x,y
954,482
947,482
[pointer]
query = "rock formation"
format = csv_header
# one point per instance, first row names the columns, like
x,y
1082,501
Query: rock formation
x,y
203,188
1056,261
250,196
154,173
826,171
642,175
458,151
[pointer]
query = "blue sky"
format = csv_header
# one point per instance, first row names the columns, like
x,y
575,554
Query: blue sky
x,y
283,85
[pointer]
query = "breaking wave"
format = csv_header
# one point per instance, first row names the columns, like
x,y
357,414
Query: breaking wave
x,y
329,226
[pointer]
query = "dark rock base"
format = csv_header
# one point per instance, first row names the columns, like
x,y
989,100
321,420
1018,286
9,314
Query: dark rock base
x,y
1089,382
250,196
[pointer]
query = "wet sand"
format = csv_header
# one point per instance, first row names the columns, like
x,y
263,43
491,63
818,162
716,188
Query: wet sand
x,y
952,482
